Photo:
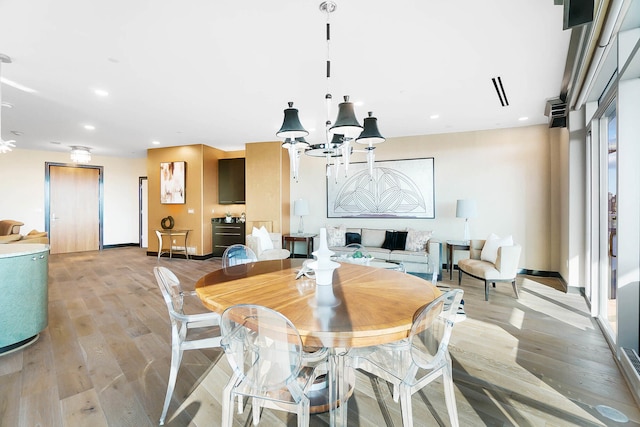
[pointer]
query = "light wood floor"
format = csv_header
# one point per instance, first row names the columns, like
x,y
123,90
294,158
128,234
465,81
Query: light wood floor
x,y
104,358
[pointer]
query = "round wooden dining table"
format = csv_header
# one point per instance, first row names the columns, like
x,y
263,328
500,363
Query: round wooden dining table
x,y
372,305
368,306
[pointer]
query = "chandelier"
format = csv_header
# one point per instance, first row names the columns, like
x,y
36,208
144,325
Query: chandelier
x,y
5,146
80,154
337,148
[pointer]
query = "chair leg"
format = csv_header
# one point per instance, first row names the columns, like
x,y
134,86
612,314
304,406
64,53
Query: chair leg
x,y
405,406
486,290
227,402
450,395
176,358
459,276
515,288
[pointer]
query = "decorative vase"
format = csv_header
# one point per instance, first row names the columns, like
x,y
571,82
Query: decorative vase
x,y
167,223
228,219
323,268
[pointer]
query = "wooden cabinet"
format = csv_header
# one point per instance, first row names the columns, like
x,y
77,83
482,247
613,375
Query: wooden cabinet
x,y
231,181
225,235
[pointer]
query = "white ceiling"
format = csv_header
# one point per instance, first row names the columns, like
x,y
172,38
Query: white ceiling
x,y
220,73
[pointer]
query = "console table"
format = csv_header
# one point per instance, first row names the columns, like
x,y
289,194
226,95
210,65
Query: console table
x,y
288,242
171,234
455,245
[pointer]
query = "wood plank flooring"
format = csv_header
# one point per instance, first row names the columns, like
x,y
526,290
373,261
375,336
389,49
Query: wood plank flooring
x,y
104,358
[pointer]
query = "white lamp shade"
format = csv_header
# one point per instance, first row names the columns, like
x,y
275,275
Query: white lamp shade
x,y
300,207
466,208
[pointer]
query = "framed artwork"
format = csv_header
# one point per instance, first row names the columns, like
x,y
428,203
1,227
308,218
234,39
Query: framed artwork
x,y
397,189
172,179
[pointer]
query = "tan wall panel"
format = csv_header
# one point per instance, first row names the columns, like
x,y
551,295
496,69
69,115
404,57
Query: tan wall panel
x,y
192,155
267,172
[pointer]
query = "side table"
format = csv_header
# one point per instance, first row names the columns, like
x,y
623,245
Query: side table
x,y
288,242
455,245
171,234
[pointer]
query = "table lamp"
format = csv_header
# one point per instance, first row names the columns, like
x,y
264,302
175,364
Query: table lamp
x,y
301,208
466,208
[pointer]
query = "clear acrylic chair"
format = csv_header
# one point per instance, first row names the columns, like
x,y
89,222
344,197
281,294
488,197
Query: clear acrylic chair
x,y
413,363
238,254
180,325
264,350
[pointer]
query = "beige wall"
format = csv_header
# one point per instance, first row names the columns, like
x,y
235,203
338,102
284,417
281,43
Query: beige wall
x,y
508,172
514,174
22,186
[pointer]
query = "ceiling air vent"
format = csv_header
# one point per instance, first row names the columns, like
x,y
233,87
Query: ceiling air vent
x,y
502,96
556,110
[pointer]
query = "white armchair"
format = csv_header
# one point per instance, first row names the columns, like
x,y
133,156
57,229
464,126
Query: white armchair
x,y
277,252
505,268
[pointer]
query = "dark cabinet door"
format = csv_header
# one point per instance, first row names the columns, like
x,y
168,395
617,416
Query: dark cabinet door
x,y
231,181
225,235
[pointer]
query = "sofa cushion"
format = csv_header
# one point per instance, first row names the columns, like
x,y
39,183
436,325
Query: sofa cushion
x,y
479,268
417,240
408,256
372,237
336,236
395,240
378,252
490,249
352,238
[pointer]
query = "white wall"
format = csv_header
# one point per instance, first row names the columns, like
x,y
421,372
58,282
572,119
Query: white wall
x,y
22,187
508,172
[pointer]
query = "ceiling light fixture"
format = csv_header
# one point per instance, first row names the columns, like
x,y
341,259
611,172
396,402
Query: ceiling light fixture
x,y
89,127
338,136
80,154
101,92
5,146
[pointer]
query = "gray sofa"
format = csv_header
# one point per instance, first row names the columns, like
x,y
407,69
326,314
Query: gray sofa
x,y
417,256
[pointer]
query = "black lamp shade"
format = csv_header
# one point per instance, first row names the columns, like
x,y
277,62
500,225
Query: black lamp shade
x,y
346,123
370,134
337,139
291,126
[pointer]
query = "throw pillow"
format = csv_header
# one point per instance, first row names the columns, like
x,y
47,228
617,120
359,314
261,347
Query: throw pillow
x,y
490,249
417,240
336,236
389,240
263,235
352,238
400,240
394,240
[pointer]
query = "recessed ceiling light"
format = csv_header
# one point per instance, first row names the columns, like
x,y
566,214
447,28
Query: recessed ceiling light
x,y
155,142
434,116
16,132
522,119
7,105
101,92
89,127
55,142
